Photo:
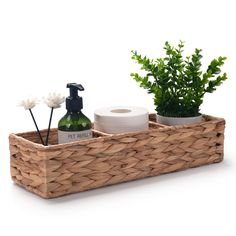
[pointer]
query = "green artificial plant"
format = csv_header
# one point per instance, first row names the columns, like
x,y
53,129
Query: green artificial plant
x,y
178,83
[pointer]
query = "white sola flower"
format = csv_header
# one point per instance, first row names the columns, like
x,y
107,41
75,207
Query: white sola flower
x,y
54,100
28,103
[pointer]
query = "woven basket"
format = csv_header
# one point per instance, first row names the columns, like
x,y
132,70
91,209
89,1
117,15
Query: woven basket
x,y
56,170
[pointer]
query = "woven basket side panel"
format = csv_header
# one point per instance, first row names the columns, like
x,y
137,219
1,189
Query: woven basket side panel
x,y
27,166
32,166
133,157
33,136
58,171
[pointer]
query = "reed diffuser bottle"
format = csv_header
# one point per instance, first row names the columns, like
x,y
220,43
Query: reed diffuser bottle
x,y
74,125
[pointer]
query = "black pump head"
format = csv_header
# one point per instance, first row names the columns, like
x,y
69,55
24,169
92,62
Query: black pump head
x,y
74,103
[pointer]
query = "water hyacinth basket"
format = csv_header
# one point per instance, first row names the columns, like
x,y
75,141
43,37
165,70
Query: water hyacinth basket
x,y
56,170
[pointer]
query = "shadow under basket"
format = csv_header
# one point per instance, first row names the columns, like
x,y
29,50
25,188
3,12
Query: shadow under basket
x,y
60,169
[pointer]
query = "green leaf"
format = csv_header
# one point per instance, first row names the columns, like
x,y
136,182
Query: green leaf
x,y
177,83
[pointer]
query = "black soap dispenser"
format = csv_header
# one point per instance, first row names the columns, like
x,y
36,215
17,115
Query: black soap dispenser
x,y
74,125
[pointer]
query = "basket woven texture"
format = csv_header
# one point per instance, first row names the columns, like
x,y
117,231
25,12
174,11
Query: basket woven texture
x,y
58,170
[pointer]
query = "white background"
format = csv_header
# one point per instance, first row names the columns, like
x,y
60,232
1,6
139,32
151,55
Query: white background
x,y
45,44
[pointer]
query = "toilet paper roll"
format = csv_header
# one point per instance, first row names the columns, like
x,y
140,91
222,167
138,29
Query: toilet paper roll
x,y
115,120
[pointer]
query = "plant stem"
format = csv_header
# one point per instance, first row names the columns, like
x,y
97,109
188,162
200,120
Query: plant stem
x,y
49,125
40,136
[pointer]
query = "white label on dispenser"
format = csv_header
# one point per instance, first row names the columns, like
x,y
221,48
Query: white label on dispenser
x,y
68,137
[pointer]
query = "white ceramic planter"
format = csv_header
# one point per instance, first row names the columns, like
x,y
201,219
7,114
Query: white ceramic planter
x,y
178,120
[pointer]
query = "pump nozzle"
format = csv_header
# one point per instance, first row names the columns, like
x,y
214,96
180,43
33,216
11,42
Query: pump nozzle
x,y
74,88
74,103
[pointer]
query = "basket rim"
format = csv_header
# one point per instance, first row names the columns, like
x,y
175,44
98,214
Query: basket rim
x,y
106,136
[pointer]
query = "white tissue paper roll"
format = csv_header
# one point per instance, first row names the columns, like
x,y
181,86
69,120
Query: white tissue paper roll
x,y
116,120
